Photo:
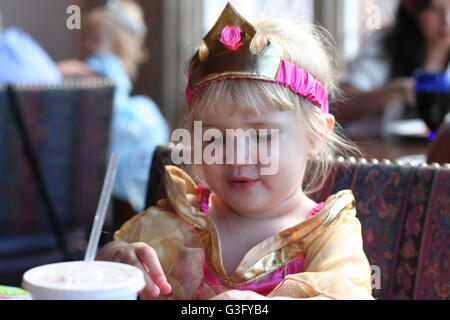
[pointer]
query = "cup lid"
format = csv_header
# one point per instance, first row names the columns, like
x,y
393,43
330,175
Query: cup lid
x,y
44,280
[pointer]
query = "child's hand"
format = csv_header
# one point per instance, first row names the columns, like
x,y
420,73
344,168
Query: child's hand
x,y
144,257
239,295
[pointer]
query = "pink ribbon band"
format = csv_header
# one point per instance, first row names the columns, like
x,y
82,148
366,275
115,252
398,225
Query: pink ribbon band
x,y
303,83
289,75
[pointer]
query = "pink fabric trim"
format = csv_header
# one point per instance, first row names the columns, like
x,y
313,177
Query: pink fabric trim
x,y
303,83
203,198
315,210
289,75
189,93
263,285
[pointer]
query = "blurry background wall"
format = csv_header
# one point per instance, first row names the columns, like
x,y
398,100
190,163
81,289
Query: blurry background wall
x,y
45,21
176,27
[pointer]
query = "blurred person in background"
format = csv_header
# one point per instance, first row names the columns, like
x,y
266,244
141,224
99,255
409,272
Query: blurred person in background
x,y
113,42
379,86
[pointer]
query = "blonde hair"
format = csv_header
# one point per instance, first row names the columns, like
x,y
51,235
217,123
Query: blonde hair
x,y
128,45
309,47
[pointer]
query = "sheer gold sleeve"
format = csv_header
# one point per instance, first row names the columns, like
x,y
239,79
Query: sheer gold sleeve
x,y
175,240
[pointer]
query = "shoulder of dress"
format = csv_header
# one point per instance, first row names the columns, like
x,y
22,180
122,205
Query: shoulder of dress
x,y
180,178
345,194
179,185
342,202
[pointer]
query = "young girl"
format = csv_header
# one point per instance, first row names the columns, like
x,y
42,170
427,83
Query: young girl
x,y
248,235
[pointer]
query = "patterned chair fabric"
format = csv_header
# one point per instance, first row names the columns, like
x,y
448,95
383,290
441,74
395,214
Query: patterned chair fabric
x,y
68,125
404,211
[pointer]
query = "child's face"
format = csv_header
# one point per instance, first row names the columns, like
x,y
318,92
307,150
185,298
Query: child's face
x,y
434,23
97,40
242,186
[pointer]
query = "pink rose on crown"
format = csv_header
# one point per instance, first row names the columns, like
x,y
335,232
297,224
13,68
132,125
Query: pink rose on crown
x,y
231,37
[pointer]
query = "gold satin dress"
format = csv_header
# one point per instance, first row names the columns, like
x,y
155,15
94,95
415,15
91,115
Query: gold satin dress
x,y
328,245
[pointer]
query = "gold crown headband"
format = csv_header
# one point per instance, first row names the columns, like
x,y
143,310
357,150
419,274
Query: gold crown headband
x,y
230,57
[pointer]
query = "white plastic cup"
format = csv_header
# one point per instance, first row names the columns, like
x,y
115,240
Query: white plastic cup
x,y
80,280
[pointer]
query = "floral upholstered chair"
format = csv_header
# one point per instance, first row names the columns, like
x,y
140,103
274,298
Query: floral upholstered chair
x,y
404,211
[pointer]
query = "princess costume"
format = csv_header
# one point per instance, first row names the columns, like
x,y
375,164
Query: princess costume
x,y
322,255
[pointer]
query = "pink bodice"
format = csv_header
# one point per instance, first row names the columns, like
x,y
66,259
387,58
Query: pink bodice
x,y
262,285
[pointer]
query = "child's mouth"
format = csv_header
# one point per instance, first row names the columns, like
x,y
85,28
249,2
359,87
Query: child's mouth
x,y
241,183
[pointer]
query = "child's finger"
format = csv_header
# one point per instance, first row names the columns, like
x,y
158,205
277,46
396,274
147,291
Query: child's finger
x,y
148,256
150,288
165,287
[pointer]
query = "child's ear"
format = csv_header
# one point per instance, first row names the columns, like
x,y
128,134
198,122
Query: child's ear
x,y
317,144
331,122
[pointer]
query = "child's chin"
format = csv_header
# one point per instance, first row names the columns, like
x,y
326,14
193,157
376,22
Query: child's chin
x,y
248,209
